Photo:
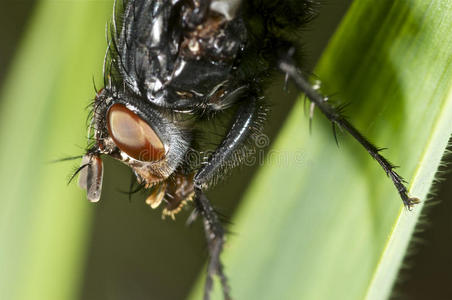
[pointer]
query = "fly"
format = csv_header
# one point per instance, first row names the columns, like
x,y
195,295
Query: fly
x,y
171,65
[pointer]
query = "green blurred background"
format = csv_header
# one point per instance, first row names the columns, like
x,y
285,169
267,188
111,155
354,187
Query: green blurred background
x,y
133,254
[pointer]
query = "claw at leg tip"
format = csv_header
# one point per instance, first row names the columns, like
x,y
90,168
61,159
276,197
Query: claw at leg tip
x,y
412,201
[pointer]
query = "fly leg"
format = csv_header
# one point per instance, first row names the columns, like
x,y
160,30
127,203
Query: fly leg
x,y
215,240
288,66
245,123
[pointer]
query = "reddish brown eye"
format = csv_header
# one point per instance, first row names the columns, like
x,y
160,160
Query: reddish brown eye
x,y
133,135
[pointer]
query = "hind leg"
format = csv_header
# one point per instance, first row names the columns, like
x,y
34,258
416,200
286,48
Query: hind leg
x,y
288,66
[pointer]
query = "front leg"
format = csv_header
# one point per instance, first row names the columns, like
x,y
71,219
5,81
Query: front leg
x,y
248,122
245,124
215,240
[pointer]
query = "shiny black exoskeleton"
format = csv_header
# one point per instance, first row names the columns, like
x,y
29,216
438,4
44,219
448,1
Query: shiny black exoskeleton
x,y
171,64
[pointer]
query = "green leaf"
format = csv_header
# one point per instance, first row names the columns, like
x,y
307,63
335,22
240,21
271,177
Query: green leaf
x,y
43,223
324,222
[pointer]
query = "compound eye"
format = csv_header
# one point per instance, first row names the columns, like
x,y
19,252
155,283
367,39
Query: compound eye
x,y
133,135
